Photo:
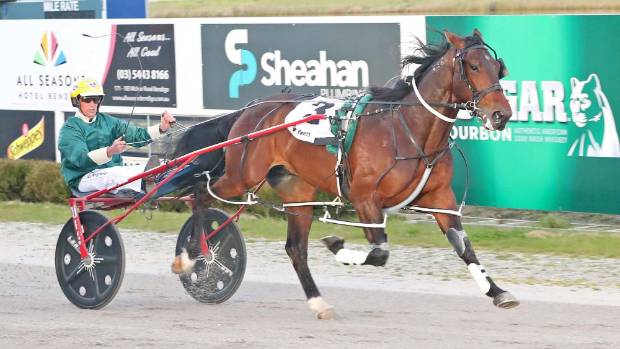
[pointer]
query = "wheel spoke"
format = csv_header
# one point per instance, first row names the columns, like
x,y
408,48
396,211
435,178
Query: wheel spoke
x,y
216,248
96,282
208,267
105,259
226,241
223,267
75,273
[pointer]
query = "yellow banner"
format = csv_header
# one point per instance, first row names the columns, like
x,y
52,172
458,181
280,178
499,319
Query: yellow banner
x,y
27,142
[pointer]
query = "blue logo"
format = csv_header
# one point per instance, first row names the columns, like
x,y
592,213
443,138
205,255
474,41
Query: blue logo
x,y
240,57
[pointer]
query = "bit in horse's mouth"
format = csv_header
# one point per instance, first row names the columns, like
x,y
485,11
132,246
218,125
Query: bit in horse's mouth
x,y
486,122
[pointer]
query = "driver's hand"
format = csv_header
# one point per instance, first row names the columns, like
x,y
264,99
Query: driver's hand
x,y
166,120
117,147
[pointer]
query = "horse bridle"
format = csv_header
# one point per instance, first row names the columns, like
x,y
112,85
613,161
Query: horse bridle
x,y
472,105
477,96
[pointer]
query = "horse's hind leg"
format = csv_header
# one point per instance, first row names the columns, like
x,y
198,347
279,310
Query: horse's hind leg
x,y
185,260
368,212
225,187
293,189
299,221
451,227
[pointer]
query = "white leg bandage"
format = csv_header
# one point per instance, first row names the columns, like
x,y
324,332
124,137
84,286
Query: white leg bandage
x,y
480,275
347,256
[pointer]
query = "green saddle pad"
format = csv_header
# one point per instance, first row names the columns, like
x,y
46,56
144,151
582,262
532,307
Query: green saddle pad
x,y
350,132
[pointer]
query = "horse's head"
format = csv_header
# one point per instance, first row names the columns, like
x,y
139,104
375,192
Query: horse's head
x,y
477,72
585,100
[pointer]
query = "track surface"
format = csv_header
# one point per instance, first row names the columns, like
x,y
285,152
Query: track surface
x,y
376,309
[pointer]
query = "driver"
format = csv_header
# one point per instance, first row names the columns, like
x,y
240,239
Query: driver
x,y
91,142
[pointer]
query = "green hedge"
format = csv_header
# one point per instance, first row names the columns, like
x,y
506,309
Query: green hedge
x,y
13,178
32,181
41,181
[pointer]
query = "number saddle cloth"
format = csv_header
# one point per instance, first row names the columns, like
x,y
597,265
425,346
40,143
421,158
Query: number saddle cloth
x,y
337,130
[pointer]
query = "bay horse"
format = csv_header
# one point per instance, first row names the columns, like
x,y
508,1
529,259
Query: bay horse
x,y
395,143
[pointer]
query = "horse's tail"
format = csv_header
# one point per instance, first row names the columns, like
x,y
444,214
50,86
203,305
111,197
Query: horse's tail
x,y
206,133
200,136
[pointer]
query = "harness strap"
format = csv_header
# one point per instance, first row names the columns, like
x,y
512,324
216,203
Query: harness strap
x,y
414,194
336,202
436,210
421,155
340,177
251,200
327,219
409,134
428,107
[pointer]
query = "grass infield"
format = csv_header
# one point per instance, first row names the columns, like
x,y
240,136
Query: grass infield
x,y
544,240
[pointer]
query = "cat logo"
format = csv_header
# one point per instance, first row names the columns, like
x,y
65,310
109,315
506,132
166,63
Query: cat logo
x,y
593,116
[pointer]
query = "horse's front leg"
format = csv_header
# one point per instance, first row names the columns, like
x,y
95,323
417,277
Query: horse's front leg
x,y
452,228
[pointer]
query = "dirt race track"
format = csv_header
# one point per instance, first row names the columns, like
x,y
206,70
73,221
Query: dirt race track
x,y
377,308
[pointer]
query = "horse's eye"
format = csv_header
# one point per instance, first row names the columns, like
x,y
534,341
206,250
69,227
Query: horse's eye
x,y
474,67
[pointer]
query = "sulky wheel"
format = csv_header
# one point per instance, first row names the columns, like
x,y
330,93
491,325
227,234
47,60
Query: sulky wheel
x,y
93,282
216,276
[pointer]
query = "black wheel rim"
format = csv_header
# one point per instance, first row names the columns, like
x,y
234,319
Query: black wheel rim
x,y
215,277
90,283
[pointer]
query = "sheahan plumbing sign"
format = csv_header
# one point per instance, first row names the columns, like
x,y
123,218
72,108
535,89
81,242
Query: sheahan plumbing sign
x,y
245,62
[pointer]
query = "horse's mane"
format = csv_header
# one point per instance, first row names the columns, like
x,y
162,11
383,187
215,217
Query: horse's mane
x,y
425,56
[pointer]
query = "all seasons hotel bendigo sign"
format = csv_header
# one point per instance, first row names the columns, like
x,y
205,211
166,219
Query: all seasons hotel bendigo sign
x,y
135,63
561,148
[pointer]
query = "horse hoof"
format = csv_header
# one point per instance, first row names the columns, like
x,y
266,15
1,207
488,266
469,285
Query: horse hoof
x,y
377,257
327,314
505,300
321,309
333,243
182,264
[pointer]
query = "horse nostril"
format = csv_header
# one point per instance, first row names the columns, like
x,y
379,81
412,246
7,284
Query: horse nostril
x,y
497,116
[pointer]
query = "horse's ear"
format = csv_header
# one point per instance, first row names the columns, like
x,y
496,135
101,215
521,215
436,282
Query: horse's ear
x,y
503,70
478,34
455,40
